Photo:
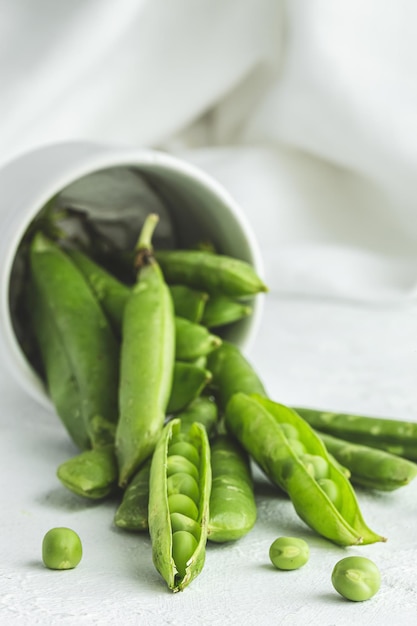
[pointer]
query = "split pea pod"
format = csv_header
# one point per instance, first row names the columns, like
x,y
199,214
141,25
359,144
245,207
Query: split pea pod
x,y
293,457
188,381
213,273
394,436
232,501
223,310
89,342
61,384
231,373
180,483
371,467
147,360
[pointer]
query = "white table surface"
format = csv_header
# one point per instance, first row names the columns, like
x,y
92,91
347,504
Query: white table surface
x,y
330,354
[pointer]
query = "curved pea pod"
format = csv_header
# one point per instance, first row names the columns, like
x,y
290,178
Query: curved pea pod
x,y
132,513
92,474
370,467
89,341
213,273
110,292
188,382
177,522
232,501
147,360
231,373
322,496
61,384
222,310
188,303
395,436
202,409
193,340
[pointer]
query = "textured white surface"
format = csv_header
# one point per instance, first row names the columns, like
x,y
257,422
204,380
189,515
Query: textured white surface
x,y
310,352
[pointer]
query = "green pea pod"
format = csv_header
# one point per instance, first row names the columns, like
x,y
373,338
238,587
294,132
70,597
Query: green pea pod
x,y
147,360
203,410
61,384
322,496
177,523
188,303
132,513
213,273
193,340
370,467
92,474
110,292
232,372
188,382
89,341
222,310
113,294
232,501
395,436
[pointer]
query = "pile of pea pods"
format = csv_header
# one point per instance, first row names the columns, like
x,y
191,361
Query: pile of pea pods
x,y
168,415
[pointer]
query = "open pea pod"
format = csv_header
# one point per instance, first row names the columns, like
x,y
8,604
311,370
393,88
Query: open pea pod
x,y
294,458
179,493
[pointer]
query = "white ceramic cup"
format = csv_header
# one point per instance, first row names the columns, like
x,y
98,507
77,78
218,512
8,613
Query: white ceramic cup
x,y
196,207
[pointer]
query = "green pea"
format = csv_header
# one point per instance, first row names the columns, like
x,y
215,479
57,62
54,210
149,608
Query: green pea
x,y
61,548
180,503
183,483
177,463
356,578
297,447
289,553
330,489
187,450
183,547
289,430
183,522
316,465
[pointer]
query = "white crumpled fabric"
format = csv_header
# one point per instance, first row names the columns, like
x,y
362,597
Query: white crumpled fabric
x,y
306,111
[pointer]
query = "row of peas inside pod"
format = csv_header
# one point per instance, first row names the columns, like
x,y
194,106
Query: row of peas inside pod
x,y
151,393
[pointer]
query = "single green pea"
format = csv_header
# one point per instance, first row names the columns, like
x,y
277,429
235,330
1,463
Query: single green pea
x,y
183,483
356,578
177,463
185,449
180,503
289,553
316,465
61,548
330,489
297,447
289,430
183,547
183,522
